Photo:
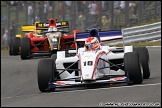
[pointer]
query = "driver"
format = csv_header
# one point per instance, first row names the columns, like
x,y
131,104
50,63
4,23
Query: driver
x,y
92,44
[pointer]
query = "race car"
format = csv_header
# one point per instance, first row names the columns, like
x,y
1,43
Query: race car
x,y
94,63
51,39
15,42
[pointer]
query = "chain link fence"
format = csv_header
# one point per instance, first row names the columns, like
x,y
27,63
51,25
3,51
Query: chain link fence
x,y
82,15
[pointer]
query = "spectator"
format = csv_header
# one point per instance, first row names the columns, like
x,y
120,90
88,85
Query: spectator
x,y
12,3
37,19
46,5
80,25
60,10
122,6
81,6
5,20
92,8
116,6
5,37
30,13
97,8
2,29
92,11
105,23
19,4
67,15
105,6
68,4
96,23
40,11
50,5
133,10
12,32
84,7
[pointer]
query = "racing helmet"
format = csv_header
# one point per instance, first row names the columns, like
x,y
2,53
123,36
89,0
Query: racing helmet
x,y
52,28
92,44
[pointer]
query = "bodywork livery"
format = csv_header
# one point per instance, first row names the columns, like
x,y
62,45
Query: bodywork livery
x,y
106,65
46,42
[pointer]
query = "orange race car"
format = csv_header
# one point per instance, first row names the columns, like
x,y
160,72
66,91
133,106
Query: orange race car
x,y
52,39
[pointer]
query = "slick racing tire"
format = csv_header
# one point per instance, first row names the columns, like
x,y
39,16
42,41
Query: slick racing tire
x,y
133,68
25,48
54,57
15,45
144,56
45,74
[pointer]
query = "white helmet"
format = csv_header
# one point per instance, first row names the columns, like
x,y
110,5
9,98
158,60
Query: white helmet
x,y
92,44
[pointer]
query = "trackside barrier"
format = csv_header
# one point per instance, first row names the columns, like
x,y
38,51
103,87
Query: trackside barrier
x,y
140,34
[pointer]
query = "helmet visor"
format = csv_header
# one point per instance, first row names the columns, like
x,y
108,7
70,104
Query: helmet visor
x,y
88,46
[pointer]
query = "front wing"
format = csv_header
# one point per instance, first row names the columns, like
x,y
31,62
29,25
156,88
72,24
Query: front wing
x,y
60,84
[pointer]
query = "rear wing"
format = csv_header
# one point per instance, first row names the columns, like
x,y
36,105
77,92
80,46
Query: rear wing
x,y
27,28
59,25
104,35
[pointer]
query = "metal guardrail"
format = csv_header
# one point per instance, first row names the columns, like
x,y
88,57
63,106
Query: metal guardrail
x,y
140,34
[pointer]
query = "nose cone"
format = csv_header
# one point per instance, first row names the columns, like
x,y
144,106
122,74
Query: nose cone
x,y
88,65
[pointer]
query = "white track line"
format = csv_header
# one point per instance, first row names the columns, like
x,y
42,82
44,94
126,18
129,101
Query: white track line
x,y
86,90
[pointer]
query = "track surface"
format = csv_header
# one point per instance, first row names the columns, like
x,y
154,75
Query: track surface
x,y
19,87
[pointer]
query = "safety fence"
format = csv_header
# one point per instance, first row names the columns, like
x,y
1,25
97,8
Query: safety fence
x,y
140,34
109,15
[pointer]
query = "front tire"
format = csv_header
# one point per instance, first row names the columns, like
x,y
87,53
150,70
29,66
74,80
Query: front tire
x,y
133,68
45,74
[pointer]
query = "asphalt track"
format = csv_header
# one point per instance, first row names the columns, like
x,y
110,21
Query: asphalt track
x,y
19,88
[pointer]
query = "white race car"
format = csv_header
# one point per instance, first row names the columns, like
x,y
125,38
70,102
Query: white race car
x,y
94,63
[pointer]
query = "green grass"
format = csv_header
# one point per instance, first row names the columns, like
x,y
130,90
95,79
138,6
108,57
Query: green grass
x,y
151,22
4,50
140,44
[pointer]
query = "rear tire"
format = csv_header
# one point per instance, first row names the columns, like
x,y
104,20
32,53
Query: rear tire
x,y
15,45
45,74
25,48
133,68
144,56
